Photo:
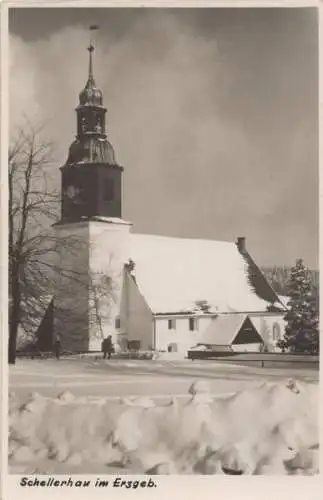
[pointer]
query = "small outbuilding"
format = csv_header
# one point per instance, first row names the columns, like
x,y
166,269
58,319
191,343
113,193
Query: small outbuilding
x,y
234,330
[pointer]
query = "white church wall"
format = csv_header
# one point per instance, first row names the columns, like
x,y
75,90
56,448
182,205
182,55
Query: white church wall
x,y
109,244
135,316
271,327
108,252
180,337
97,260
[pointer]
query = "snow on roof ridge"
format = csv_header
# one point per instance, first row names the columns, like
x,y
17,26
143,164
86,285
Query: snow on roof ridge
x,y
182,238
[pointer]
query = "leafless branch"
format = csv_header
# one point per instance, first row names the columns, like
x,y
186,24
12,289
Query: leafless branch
x,y
33,249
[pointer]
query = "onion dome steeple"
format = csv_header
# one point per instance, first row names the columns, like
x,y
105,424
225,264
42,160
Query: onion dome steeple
x,y
91,144
91,177
91,95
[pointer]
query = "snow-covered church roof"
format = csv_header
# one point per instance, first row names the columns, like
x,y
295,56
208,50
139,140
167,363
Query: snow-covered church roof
x,y
174,274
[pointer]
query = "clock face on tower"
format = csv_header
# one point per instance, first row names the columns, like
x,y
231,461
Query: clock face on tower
x,y
72,192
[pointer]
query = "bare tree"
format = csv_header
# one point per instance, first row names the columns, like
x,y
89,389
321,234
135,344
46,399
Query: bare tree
x,y
33,205
103,293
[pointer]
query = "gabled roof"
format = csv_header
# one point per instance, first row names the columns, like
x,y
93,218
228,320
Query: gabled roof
x,y
174,273
223,329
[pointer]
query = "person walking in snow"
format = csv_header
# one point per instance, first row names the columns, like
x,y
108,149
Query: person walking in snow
x,y
104,347
57,348
107,347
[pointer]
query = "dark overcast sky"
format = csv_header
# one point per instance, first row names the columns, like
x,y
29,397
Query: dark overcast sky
x,y
212,112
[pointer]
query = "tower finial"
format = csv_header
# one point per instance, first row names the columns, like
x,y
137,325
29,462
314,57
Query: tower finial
x,y
91,49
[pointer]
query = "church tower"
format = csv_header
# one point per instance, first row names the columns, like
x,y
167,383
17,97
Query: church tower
x,y
94,237
91,177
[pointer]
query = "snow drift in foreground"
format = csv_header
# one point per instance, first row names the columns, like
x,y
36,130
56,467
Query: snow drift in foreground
x,y
272,429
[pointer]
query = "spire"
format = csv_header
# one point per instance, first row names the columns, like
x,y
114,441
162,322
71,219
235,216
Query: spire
x,y
91,144
91,49
91,94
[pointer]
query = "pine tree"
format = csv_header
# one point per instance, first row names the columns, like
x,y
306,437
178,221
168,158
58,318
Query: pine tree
x,y
301,333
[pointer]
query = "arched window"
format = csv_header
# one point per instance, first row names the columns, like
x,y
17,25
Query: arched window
x,y
276,331
172,347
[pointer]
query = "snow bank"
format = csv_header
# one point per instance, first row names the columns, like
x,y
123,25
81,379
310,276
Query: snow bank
x,y
272,429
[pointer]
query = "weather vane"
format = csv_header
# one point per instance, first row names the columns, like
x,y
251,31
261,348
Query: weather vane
x,y
93,27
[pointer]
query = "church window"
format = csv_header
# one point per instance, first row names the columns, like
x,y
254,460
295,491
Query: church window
x,y
85,125
193,324
117,323
172,347
98,126
171,324
108,190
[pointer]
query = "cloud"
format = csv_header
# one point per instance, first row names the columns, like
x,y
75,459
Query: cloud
x,y
207,146
161,86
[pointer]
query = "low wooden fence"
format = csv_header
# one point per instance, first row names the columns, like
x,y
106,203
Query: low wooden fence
x,y
258,359
268,360
92,354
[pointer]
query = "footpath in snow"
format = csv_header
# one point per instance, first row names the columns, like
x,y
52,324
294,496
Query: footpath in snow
x,y
270,429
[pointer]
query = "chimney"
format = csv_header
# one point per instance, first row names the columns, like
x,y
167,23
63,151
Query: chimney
x,y
131,268
241,244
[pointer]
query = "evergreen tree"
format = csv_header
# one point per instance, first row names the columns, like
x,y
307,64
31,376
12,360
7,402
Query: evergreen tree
x,y
301,333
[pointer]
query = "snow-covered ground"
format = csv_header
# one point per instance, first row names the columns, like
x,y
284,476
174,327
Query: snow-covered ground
x,y
91,377
267,425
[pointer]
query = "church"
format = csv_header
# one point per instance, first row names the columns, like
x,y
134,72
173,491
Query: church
x,y
148,292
